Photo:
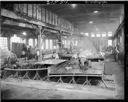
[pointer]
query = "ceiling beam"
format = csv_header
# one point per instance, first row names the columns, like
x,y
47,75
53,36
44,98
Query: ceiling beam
x,y
12,15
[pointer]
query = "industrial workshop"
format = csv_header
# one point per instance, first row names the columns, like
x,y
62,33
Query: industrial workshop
x,y
62,51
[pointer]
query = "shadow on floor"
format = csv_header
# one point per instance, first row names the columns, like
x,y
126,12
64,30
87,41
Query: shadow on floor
x,y
5,94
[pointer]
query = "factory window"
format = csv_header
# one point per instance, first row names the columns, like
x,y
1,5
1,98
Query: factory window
x,y
35,42
97,35
51,44
46,43
30,42
42,47
16,39
86,34
104,35
3,43
72,43
109,42
92,35
54,47
24,41
109,34
76,42
68,44
57,44
65,43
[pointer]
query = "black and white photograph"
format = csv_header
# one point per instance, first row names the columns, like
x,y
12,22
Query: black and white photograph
x,y
62,50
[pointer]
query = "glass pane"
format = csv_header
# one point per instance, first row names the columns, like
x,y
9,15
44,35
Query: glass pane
x,y
46,43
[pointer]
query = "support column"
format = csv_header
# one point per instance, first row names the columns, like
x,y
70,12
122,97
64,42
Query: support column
x,y
39,42
123,38
59,40
9,43
27,41
33,42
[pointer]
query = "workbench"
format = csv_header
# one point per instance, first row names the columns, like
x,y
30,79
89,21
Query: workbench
x,y
37,69
96,71
50,62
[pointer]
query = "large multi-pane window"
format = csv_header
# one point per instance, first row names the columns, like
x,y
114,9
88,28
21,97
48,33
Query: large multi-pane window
x,y
104,34
97,35
30,42
42,44
109,34
109,42
76,43
51,44
92,35
16,39
46,44
3,43
35,42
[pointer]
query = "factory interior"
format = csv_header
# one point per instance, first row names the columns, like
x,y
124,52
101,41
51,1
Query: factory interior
x,y
62,51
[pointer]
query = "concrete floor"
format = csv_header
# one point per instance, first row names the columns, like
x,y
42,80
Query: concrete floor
x,y
58,91
118,71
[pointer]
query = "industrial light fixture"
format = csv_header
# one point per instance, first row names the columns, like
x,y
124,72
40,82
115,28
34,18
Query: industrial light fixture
x,y
24,33
96,11
73,5
90,22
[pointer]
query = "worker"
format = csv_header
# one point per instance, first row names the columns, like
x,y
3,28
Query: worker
x,y
116,52
24,50
55,55
37,54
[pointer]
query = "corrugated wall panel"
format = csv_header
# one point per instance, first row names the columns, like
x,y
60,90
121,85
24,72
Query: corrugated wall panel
x,y
16,8
46,12
38,12
35,11
21,8
55,19
42,14
50,17
30,10
25,9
